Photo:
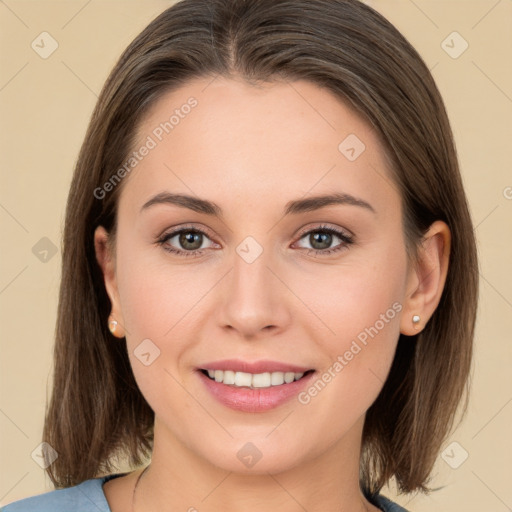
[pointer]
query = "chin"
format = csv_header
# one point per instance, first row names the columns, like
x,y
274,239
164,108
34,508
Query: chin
x,y
254,455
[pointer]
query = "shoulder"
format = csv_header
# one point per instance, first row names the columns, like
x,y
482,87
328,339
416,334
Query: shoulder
x,y
385,504
85,497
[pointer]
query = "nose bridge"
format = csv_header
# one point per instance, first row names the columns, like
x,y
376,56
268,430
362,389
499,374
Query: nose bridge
x,y
254,299
251,276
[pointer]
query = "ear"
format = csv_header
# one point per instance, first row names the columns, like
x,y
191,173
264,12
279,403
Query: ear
x,y
106,261
425,282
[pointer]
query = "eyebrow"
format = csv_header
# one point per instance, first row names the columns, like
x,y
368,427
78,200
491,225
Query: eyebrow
x,y
292,207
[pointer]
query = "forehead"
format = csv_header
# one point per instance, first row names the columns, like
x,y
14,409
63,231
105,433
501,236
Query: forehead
x,y
226,138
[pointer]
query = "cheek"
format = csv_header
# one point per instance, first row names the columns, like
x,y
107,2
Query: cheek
x,y
157,305
156,301
359,294
357,313
156,296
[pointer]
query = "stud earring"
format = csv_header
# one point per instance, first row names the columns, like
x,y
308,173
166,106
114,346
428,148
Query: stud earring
x,y
415,319
112,324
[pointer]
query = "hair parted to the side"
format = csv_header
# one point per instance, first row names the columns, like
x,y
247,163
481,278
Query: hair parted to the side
x,y
96,411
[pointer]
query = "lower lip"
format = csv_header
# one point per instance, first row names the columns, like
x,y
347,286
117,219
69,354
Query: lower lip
x,y
254,400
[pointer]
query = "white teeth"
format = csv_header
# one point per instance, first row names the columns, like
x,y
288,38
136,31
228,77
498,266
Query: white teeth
x,y
289,377
242,379
258,380
277,378
229,377
261,380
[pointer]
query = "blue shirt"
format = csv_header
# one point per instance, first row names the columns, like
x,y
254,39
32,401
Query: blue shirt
x,y
89,497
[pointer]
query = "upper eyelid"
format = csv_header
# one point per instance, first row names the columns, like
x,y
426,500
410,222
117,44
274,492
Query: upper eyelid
x,y
325,227
179,229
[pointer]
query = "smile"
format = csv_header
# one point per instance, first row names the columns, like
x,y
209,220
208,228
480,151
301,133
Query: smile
x,y
254,392
253,380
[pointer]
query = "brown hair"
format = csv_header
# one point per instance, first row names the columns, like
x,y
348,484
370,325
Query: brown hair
x,y
96,410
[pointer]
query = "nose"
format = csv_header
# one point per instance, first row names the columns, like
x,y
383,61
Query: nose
x,y
255,302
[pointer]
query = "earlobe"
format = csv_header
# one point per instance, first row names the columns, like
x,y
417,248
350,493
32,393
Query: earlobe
x,y
106,263
426,281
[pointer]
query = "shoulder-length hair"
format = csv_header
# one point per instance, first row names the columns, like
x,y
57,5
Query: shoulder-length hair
x,y
96,411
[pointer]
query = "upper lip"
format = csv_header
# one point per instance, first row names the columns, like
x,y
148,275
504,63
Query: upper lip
x,y
263,366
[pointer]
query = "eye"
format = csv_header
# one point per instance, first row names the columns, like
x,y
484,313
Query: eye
x,y
322,238
185,241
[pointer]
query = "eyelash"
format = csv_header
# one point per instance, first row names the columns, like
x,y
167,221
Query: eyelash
x,y
345,238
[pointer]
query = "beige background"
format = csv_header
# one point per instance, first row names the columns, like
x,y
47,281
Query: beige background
x,y
45,105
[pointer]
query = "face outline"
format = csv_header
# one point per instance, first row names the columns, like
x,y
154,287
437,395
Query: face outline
x,y
251,150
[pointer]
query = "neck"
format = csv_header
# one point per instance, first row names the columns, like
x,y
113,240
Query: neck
x,y
178,479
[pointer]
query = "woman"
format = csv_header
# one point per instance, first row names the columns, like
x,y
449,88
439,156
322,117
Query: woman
x,y
269,277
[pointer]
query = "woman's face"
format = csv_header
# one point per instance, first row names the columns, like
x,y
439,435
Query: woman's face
x,y
270,273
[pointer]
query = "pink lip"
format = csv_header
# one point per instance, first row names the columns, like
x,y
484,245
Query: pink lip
x,y
237,365
247,399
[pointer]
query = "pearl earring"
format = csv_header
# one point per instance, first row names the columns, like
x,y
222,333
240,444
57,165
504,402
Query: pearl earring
x,y
112,324
415,319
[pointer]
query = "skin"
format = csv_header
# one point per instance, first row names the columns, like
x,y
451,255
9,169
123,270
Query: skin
x,y
251,150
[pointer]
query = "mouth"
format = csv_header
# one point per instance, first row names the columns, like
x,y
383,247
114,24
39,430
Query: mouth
x,y
254,380
254,386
